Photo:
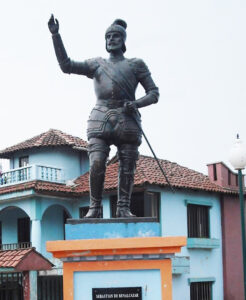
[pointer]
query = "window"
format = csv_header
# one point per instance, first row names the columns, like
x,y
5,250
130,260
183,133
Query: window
x,y
84,210
201,290
50,287
151,205
198,221
23,230
143,204
11,285
215,172
23,161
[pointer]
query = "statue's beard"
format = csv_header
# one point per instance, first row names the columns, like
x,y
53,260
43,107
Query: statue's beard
x,y
123,48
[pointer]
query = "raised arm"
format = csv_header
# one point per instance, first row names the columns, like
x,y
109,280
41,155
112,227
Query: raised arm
x,y
66,64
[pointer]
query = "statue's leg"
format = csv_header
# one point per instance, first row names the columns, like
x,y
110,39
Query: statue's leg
x,y
128,155
98,153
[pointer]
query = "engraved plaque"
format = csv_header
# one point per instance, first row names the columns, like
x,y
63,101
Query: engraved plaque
x,y
127,293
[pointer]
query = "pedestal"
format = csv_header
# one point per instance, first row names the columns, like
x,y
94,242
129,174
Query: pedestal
x,y
126,259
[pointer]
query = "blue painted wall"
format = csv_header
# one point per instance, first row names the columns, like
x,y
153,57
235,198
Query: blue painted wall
x,y
74,163
149,280
111,230
25,205
203,263
52,227
9,218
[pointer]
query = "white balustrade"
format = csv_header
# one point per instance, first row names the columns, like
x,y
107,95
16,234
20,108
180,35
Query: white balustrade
x,y
32,172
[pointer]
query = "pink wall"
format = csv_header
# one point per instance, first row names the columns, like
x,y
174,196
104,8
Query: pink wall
x,y
232,248
26,285
222,175
231,231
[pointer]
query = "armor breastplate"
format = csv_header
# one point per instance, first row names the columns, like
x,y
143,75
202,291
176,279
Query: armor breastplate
x,y
106,89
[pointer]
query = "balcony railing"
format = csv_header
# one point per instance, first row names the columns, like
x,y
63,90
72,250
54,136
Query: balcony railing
x,y
15,246
32,172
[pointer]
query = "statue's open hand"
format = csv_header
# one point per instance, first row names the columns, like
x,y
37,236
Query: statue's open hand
x,y
53,25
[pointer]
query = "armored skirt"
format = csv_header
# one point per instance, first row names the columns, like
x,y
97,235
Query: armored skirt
x,y
114,126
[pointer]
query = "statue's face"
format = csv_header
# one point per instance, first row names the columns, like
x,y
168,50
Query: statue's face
x,y
114,41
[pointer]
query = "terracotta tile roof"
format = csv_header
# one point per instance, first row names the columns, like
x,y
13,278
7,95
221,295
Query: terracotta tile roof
x,y
147,172
24,259
11,258
52,137
39,186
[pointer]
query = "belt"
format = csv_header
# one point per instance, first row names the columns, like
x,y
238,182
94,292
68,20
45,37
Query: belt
x,y
111,103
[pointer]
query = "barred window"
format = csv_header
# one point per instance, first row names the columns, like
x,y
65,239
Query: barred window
x,y
50,287
198,221
201,290
11,286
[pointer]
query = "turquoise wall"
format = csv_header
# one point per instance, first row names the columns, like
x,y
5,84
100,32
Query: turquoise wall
x,y
204,263
149,280
47,209
9,218
52,227
112,230
74,163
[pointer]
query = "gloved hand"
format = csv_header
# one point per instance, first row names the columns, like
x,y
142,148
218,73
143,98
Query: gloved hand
x,y
130,107
53,25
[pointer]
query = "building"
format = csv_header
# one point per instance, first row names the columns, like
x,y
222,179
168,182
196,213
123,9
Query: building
x,y
35,200
48,183
220,174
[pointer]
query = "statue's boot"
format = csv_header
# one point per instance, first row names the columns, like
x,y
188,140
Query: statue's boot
x,y
97,175
126,180
94,209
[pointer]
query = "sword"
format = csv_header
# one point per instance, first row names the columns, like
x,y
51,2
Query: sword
x,y
151,149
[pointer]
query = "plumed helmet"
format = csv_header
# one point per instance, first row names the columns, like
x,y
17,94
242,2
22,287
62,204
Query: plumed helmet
x,y
118,26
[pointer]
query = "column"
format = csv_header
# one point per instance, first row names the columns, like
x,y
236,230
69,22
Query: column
x,y
33,285
36,234
26,285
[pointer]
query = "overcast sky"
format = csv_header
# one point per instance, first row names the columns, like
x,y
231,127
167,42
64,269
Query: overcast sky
x,y
195,50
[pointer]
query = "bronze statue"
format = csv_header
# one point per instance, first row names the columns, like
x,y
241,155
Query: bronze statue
x,y
115,119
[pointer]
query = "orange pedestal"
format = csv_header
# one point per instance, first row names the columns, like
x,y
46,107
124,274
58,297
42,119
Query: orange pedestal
x,y
147,253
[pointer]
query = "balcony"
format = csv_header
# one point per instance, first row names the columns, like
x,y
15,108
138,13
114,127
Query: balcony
x,y
15,246
32,172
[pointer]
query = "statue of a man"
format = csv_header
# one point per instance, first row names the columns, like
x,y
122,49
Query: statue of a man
x,y
113,120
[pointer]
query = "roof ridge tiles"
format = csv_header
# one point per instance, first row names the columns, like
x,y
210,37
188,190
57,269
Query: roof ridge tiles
x,y
52,137
14,257
172,163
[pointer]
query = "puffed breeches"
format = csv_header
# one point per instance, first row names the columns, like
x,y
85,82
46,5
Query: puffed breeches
x,y
114,126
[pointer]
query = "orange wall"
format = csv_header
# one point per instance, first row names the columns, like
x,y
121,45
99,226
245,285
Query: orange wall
x,y
164,266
